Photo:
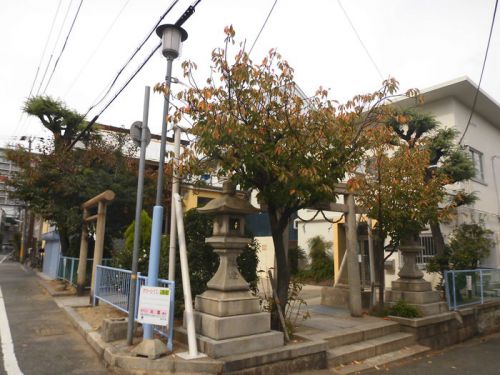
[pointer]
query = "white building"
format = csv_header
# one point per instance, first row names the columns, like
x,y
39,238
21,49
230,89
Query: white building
x,y
451,104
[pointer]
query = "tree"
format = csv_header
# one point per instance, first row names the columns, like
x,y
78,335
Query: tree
x,y
54,182
393,192
252,124
469,243
446,158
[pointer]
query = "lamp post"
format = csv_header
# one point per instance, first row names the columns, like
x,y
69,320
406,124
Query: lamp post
x,y
172,37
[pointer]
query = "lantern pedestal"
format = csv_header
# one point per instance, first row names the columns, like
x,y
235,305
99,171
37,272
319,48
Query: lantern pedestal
x,y
411,286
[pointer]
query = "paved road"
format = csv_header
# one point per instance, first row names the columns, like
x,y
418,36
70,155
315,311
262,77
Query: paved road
x,y
44,340
479,356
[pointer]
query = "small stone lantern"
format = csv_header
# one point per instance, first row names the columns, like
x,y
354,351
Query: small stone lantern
x,y
227,316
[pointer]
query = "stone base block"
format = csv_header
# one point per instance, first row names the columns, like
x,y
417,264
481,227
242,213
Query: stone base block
x,y
412,297
339,296
227,303
411,285
233,346
152,349
116,329
221,328
427,309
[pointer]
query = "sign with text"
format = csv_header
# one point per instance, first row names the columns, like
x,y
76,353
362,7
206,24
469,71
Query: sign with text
x,y
154,305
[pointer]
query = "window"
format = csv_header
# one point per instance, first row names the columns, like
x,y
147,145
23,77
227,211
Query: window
x,y
428,251
477,159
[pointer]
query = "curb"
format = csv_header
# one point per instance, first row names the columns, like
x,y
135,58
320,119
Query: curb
x,y
131,365
54,293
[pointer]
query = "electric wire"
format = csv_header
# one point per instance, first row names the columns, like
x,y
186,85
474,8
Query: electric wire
x,y
263,25
481,76
92,55
64,45
105,92
92,122
24,124
179,22
55,44
21,123
360,40
45,47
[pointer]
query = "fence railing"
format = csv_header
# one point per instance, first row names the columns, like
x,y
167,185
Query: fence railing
x,y
68,267
471,287
113,285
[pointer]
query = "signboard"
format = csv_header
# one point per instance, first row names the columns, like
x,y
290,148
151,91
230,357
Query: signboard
x,y
154,305
468,279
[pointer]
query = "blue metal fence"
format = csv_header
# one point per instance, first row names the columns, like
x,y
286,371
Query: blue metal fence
x,y
68,267
471,287
112,285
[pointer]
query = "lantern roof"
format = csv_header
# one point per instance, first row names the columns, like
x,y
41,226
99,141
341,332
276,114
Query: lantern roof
x,y
228,203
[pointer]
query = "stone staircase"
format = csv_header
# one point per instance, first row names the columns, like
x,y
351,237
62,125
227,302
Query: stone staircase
x,y
369,345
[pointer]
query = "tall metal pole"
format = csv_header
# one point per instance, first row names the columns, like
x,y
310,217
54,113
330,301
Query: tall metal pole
x,y
154,255
137,228
24,234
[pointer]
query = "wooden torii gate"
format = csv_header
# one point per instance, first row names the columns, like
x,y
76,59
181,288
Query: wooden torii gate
x,y
101,201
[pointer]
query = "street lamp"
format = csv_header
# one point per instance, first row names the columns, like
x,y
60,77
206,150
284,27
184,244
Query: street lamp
x,y
172,37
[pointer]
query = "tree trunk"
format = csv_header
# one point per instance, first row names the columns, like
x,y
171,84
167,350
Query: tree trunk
x,y
282,272
63,239
438,238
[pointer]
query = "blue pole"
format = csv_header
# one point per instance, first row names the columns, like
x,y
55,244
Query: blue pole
x,y
154,259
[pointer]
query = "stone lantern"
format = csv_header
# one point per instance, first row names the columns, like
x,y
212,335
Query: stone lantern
x,y
411,286
227,316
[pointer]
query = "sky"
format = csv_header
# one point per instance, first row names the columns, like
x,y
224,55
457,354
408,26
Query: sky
x,y
421,43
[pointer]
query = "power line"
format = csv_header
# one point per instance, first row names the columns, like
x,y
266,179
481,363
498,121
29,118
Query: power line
x,y
179,22
263,25
481,76
361,41
92,122
110,86
45,47
55,45
102,39
64,45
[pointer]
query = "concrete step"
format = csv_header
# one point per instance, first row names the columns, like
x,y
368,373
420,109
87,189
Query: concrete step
x,y
369,348
362,333
352,335
382,360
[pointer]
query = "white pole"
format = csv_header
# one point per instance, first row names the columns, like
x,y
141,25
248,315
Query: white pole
x,y
372,261
186,284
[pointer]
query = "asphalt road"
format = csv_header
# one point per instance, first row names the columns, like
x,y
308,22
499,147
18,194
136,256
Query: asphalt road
x,y
479,356
44,340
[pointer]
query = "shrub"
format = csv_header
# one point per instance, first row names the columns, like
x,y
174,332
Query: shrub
x,y
321,267
469,243
404,310
202,260
296,307
296,255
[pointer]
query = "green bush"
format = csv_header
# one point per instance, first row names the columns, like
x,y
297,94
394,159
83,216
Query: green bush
x,y
321,267
404,310
295,256
203,261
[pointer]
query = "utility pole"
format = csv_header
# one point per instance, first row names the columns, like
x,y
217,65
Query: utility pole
x,y
25,231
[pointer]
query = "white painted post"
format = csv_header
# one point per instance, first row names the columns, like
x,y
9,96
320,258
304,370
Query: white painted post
x,y
186,283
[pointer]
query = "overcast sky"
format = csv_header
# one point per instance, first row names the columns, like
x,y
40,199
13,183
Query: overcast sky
x,y
419,42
